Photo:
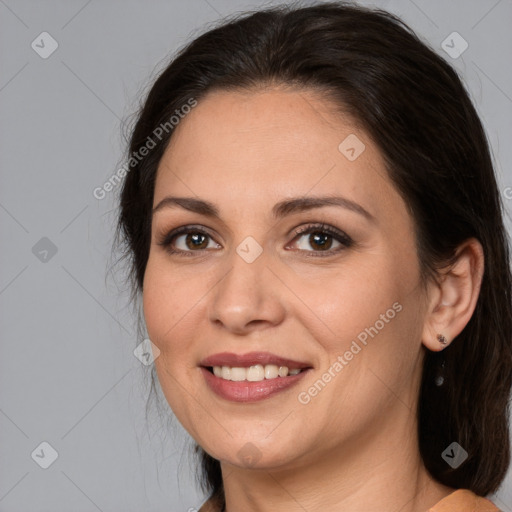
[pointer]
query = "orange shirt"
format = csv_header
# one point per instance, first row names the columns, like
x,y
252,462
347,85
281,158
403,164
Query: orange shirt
x,y
464,500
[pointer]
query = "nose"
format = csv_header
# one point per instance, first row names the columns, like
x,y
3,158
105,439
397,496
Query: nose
x,y
248,297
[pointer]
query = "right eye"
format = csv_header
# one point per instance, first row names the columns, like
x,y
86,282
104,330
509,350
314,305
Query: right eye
x,y
194,239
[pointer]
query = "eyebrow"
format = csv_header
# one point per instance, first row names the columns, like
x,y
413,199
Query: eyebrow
x,y
281,209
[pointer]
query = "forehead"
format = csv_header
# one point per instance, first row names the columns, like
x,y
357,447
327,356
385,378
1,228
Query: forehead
x,y
251,145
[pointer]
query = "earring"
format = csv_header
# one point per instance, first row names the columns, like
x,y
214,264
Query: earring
x,y
442,339
439,380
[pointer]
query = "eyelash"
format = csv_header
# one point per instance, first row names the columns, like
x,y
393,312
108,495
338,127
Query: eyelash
x,y
338,235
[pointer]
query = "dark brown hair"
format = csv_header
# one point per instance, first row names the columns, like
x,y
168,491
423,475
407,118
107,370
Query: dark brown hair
x,y
414,107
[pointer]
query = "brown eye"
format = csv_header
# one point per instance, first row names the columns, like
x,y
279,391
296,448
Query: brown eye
x,y
195,241
321,241
320,238
186,240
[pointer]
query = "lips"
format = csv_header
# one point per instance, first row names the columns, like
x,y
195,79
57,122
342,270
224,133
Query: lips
x,y
251,390
251,359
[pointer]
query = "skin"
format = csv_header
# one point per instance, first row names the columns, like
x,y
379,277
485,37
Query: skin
x,y
354,446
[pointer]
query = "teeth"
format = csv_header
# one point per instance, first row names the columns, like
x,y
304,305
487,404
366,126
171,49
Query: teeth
x,y
254,373
271,371
236,374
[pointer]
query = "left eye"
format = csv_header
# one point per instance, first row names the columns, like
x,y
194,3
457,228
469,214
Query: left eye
x,y
320,237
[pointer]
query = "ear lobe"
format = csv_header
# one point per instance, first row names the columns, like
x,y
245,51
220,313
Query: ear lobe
x,y
453,299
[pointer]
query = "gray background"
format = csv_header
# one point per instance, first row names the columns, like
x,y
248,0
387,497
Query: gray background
x,y
68,375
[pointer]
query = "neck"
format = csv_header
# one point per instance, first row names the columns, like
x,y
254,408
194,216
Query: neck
x,y
380,470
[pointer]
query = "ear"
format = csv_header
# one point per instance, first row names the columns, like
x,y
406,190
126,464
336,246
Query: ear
x,y
453,299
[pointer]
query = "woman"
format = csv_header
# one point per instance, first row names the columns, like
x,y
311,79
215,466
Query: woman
x,y
315,228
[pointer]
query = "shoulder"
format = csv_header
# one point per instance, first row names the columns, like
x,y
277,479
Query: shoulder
x,y
210,506
464,500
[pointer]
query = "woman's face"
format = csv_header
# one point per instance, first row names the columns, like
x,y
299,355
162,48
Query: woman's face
x,y
347,306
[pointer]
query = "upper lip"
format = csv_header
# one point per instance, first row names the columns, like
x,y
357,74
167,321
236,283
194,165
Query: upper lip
x,y
250,359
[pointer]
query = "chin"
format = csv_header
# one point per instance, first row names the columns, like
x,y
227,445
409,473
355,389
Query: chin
x,y
248,453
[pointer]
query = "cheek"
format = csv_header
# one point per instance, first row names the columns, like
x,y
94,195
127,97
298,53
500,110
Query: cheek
x,y
344,302
154,301
165,304
365,312
174,302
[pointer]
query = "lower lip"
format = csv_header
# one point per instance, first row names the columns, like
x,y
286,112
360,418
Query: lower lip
x,y
246,391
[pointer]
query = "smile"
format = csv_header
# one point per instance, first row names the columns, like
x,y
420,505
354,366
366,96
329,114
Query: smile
x,y
255,373
252,376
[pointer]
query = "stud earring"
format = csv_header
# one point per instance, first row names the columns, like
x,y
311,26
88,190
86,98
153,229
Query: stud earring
x,y
439,379
442,339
